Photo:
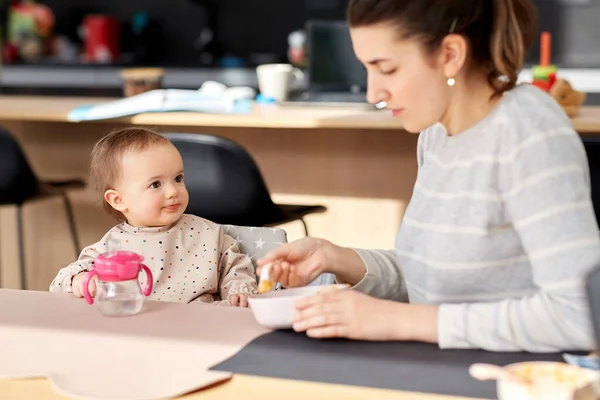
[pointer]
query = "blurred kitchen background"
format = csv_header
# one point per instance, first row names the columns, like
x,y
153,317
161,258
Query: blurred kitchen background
x,y
197,40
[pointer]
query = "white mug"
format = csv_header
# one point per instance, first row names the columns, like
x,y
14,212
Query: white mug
x,y
274,80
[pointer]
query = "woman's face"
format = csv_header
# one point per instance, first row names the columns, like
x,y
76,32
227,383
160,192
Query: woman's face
x,y
411,82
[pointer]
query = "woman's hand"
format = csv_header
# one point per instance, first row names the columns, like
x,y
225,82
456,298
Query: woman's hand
x,y
300,262
354,315
297,263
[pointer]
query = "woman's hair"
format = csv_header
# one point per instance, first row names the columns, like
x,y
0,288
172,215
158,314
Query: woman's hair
x,y
107,154
499,32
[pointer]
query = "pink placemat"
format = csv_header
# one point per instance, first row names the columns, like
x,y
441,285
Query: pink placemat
x,y
163,352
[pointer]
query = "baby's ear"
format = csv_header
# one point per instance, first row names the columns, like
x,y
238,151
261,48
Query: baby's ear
x,y
113,197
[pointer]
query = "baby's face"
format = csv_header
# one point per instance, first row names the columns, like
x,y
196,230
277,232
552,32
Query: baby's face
x,y
152,187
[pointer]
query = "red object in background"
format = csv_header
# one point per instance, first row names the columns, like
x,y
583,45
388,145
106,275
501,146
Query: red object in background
x,y
542,84
552,79
102,38
10,53
545,85
42,16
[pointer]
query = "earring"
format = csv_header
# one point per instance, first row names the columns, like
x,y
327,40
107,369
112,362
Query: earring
x,y
451,81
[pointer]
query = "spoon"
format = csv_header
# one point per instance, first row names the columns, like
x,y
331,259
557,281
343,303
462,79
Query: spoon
x,y
266,284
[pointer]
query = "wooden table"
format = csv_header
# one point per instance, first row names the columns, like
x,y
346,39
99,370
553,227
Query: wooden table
x,y
239,387
360,164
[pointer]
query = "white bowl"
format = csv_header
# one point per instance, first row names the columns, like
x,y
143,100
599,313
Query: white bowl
x,y
549,381
275,309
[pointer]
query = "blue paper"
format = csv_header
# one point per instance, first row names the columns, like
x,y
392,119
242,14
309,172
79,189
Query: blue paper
x,y
215,99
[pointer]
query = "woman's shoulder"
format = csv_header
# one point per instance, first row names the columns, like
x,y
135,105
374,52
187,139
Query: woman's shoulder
x,y
538,130
528,115
528,106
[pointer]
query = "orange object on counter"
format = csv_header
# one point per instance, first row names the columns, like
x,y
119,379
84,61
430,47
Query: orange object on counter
x,y
545,49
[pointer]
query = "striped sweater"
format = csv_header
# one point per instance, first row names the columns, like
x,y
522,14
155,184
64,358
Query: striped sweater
x,y
500,232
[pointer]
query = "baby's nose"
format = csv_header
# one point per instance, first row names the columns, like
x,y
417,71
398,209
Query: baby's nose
x,y
171,192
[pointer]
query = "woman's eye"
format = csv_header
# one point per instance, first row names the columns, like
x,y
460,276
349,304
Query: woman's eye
x,y
179,178
155,185
388,72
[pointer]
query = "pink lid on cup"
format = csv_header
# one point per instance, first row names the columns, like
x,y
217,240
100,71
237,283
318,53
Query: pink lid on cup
x,y
118,266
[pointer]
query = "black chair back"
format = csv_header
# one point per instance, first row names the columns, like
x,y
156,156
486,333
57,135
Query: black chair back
x,y
17,180
223,181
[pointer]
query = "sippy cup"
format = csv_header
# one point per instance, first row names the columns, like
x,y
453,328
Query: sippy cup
x,y
118,291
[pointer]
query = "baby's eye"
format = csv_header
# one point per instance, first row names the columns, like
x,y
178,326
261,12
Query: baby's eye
x,y
179,178
155,185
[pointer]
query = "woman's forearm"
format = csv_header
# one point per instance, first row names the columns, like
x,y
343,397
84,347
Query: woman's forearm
x,y
423,322
410,322
346,265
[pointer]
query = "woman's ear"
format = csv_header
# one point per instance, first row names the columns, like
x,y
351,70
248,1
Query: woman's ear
x,y
114,198
453,54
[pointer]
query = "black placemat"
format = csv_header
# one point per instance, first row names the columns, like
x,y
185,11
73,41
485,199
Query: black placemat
x,y
406,366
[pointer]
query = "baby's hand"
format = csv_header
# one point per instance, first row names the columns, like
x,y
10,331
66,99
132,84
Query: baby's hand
x,y
238,300
78,284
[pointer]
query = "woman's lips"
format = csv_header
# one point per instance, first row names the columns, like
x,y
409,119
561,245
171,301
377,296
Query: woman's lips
x,y
397,111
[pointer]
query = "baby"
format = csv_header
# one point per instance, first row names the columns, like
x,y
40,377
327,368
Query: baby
x,y
140,174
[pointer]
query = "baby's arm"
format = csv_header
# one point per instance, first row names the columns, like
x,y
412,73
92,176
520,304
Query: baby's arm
x,y
236,270
63,282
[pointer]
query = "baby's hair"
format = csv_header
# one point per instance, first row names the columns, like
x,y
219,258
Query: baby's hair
x,y
499,32
107,154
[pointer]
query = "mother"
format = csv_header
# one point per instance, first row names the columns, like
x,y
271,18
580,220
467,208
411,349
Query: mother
x,y
500,231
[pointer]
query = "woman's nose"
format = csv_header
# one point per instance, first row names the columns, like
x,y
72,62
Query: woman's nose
x,y
377,96
376,93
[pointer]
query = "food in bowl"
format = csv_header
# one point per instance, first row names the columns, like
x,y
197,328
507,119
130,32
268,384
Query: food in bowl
x,y
548,381
275,309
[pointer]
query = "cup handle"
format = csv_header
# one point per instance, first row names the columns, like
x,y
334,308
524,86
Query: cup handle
x,y
86,283
149,283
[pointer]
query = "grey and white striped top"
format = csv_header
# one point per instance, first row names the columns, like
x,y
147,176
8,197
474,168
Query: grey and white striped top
x,y
500,231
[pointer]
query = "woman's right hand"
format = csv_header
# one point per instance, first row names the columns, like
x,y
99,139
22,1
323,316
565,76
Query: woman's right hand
x,y
300,262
